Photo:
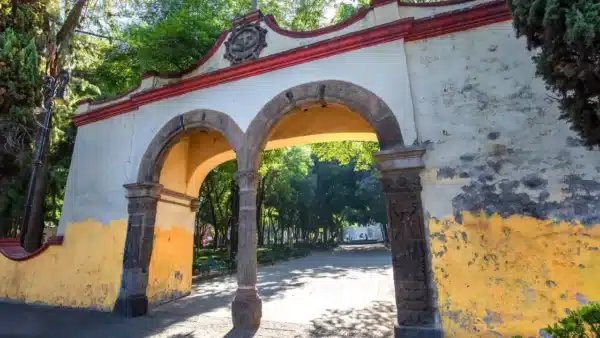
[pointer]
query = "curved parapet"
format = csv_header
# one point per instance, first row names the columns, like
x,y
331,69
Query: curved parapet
x,y
381,22
359,15
11,248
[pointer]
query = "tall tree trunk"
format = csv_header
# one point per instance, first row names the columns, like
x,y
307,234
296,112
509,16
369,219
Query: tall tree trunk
x,y
216,239
259,208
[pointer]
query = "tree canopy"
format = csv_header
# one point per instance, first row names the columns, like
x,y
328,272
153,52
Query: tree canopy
x,y
566,36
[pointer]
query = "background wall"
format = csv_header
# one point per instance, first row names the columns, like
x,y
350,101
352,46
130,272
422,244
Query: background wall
x,y
512,199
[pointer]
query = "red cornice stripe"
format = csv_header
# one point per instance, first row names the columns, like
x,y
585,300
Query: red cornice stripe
x,y
12,249
409,29
377,3
459,20
359,15
433,3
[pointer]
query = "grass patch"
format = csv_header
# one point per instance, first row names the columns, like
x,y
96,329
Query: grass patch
x,y
207,261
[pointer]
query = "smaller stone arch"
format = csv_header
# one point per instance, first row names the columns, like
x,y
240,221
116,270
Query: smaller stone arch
x,y
143,197
358,99
180,126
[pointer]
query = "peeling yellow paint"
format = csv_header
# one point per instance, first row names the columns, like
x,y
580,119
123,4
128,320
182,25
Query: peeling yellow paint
x,y
83,272
170,273
511,276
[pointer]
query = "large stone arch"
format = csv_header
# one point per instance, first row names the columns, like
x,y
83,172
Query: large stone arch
x,y
143,197
400,168
358,99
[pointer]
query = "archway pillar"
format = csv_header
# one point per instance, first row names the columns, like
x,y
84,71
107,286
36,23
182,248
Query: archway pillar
x,y
400,175
142,202
246,309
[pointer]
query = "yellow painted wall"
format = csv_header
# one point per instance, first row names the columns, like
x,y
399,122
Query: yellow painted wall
x,y
511,276
170,274
83,272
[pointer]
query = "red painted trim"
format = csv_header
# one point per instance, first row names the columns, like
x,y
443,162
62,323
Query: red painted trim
x,y
409,29
460,20
253,16
109,99
433,4
359,15
15,252
378,3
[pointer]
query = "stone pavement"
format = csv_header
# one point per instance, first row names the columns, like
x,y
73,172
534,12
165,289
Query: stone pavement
x,y
345,293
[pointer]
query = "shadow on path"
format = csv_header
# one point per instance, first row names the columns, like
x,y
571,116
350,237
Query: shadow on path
x,y
18,320
375,321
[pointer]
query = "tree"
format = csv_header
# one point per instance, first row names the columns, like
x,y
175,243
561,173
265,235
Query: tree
x,y
20,95
566,36
57,37
345,152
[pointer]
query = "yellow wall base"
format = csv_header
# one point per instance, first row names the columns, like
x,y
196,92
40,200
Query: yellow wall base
x,y
170,274
511,276
83,272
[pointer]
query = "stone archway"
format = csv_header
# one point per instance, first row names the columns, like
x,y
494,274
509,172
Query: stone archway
x,y
400,168
143,197
358,99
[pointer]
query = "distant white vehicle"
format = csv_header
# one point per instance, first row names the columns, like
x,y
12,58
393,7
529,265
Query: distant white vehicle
x,y
370,232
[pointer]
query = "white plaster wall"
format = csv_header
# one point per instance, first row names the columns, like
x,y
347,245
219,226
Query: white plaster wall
x,y
99,167
108,153
468,86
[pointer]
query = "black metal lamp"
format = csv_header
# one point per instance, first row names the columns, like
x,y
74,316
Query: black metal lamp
x,y
54,89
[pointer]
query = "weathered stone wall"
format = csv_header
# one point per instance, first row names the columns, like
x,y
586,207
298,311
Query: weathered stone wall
x,y
511,197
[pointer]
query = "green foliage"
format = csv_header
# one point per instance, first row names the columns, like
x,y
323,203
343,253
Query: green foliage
x,y
300,193
566,36
345,152
171,36
581,323
20,83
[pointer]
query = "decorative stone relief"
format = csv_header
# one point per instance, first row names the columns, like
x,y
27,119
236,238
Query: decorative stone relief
x,y
400,176
245,43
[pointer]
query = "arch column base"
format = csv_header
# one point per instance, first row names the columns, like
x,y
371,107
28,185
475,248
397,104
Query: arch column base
x,y
142,201
131,306
417,332
246,309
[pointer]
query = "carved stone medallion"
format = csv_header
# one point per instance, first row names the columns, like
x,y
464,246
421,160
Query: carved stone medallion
x,y
245,43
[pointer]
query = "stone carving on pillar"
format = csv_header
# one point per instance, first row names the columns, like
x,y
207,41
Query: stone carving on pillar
x,y
142,202
400,176
246,308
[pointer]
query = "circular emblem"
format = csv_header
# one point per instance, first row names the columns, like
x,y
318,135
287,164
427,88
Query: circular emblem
x,y
245,43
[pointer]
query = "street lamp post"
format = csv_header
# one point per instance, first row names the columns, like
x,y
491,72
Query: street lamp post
x,y
54,88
